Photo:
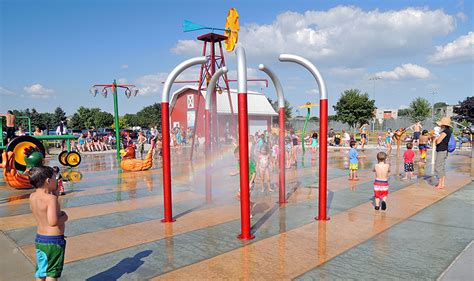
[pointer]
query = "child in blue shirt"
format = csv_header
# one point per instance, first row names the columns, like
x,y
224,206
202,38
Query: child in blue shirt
x,y
353,161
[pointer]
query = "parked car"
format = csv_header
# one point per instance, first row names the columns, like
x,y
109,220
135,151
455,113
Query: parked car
x,y
75,132
133,134
105,131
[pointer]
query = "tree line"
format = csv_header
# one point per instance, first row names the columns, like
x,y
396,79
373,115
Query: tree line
x,y
87,118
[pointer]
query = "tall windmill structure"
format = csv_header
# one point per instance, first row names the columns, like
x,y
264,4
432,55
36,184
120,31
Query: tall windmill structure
x,y
212,48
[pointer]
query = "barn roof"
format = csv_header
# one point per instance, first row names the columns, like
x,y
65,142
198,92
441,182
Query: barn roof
x,y
257,102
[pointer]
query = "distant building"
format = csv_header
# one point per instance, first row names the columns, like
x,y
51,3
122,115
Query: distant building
x,y
383,114
445,111
184,106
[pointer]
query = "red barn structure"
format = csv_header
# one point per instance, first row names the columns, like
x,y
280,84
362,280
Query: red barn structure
x,y
184,109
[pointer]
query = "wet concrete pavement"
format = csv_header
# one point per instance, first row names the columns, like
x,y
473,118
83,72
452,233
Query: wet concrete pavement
x,y
114,231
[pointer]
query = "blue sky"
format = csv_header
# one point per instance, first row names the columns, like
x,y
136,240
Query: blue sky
x,y
53,51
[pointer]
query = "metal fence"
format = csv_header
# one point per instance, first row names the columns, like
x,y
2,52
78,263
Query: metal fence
x,y
401,122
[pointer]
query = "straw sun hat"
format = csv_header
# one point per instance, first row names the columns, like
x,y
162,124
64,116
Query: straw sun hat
x,y
445,121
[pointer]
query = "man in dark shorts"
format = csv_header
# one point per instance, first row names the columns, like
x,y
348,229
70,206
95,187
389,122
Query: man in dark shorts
x,y
10,125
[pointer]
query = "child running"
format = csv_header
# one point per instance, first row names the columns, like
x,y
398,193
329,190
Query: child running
x,y
408,157
382,171
353,161
252,175
423,145
50,242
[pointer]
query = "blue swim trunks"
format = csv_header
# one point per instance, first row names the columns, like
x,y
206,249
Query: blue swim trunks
x,y
49,255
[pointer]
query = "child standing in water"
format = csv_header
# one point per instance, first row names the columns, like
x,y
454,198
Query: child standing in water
x,y
59,177
263,166
423,145
314,145
252,175
408,157
275,153
50,242
382,171
353,161
388,140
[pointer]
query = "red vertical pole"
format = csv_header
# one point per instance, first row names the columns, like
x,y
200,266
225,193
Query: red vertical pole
x,y
207,156
323,153
281,123
165,130
244,167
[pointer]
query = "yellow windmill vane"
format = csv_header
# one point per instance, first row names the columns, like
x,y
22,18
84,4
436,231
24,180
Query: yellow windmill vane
x,y
232,28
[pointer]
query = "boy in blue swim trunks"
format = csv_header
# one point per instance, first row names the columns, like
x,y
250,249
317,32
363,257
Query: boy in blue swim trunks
x,y
50,242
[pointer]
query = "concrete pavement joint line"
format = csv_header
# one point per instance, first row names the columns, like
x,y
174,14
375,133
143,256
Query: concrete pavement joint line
x,y
455,260
150,223
337,264
200,245
201,266
76,213
11,222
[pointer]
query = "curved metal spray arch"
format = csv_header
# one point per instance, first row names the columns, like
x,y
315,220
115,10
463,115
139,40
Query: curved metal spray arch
x,y
165,130
323,129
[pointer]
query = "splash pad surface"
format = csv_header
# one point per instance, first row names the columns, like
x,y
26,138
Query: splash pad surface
x,y
114,228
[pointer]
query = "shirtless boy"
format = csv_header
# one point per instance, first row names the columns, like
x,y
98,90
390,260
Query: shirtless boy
x,y
382,171
50,242
10,125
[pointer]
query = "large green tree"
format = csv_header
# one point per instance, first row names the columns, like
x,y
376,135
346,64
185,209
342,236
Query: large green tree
x,y
420,109
91,118
146,117
354,108
288,111
59,115
150,116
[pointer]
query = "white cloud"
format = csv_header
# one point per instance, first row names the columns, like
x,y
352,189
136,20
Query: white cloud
x,y
342,33
124,66
344,71
122,81
460,50
188,47
462,16
405,71
313,92
38,91
6,92
151,83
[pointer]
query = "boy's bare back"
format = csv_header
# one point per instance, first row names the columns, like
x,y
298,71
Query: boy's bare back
x,y
10,120
424,139
45,208
382,171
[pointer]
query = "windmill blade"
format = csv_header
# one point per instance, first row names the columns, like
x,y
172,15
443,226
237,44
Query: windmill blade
x,y
191,26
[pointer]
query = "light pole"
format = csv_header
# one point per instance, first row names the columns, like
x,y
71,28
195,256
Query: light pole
x,y
375,78
432,102
129,90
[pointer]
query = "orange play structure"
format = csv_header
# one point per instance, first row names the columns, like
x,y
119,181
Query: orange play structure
x,y
12,176
129,163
